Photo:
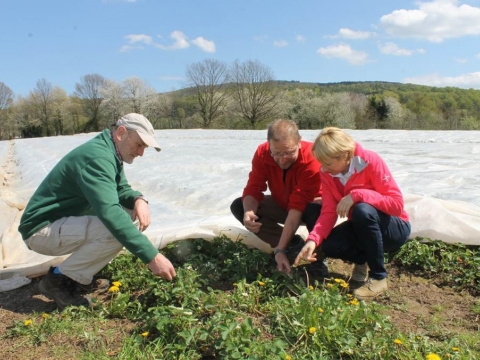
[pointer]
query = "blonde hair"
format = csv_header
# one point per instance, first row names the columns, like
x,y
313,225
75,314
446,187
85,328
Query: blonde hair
x,y
332,142
281,130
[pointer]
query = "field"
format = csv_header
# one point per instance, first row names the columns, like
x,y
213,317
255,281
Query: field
x,y
228,302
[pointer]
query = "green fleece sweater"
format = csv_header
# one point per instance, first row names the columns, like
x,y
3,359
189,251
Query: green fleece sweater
x,y
89,181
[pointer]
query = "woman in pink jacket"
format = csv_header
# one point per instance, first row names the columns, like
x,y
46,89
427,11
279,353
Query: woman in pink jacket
x,y
357,184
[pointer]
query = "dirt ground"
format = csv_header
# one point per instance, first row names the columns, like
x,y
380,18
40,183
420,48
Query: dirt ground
x,y
415,305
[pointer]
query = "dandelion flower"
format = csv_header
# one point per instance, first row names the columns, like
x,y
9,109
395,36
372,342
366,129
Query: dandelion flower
x,y
353,302
320,310
310,287
312,330
45,316
27,322
398,342
338,281
235,284
455,349
288,357
344,285
113,289
145,334
261,283
433,356
117,283
329,286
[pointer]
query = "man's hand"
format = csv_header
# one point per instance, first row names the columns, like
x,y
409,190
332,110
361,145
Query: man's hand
x,y
142,213
307,253
161,266
282,263
249,221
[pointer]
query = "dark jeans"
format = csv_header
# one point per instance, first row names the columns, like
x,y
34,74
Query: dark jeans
x,y
271,215
366,237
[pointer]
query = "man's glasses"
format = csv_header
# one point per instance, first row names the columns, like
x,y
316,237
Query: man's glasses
x,y
287,154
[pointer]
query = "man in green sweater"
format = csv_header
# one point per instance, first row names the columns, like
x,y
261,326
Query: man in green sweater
x,y
85,207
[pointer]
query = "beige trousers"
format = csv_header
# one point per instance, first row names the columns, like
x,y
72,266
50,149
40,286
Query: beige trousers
x,y
88,241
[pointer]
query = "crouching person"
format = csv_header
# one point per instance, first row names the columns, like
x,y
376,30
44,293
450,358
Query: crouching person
x,y
85,207
357,184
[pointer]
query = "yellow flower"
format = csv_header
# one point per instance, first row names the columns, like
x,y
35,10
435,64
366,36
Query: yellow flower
x,y
398,341
344,285
349,295
338,281
455,349
353,302
312,330
288,357
117,283
310,287
261,283
235,284
320,310
145,334
45,316
329,286
113,289
27,322
433,356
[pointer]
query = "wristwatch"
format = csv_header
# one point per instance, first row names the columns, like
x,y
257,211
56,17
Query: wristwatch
x,y
142,198
278,251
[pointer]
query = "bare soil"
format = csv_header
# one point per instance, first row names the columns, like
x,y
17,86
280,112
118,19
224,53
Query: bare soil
x,y
414,304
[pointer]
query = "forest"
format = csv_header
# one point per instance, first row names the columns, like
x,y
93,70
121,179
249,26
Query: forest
x,y
241,95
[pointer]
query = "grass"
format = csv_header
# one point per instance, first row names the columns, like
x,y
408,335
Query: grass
x,y
228,302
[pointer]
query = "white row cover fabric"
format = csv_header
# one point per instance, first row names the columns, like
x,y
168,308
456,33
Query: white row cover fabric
x,y
192,181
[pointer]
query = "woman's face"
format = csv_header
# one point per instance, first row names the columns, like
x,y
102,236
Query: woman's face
x,y
336,165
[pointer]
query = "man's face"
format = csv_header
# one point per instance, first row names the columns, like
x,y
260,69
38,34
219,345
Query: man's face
x,y
130,145
285,153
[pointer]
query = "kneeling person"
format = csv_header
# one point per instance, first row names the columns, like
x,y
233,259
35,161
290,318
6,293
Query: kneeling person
x,y
85,207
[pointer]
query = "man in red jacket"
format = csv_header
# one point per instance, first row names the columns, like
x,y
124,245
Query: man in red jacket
x,y
287,166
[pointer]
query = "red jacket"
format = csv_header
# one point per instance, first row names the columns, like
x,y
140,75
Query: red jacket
x,y
371,183
302,181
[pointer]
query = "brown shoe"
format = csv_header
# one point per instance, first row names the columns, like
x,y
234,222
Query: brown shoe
x,y
97,285
61,289
360,272
371,289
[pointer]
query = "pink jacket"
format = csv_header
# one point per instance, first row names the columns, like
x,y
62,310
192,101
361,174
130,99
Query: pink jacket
x,y
301,184
371,183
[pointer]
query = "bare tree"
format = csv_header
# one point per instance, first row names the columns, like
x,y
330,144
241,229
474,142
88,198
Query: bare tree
x,y
253,90
6,99
138,94
209,78
89,91
42,99
113,100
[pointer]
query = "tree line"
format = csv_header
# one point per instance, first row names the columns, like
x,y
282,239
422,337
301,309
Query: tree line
x,y
241,95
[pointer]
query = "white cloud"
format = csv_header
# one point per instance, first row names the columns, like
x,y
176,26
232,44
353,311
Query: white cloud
x,y
477,56
300,38
280,43
391,48
435,21
345,33
136,38
260,38
461,61
470,80
204,44
180,42
344,51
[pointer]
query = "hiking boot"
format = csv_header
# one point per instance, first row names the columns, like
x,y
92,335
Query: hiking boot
x,y
98,285
360,272
61,289
371,289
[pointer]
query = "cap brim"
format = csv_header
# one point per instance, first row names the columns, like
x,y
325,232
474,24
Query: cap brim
x,y
149,140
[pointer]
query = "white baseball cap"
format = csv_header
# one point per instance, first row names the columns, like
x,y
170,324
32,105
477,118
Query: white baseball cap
x,y
142,126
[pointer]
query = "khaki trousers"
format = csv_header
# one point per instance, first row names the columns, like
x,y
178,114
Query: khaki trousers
x,y
88,241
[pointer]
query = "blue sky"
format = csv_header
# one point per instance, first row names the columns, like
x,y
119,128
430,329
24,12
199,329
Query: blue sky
x,y
433,42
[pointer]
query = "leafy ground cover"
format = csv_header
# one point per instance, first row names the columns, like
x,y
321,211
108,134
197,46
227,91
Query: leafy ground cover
x,y
228,302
